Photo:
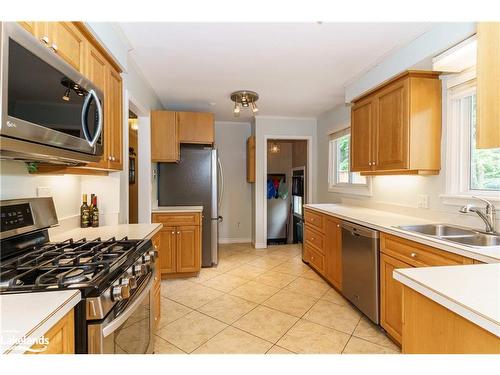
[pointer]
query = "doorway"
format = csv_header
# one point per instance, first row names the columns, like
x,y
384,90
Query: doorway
x,y
133,178
287,161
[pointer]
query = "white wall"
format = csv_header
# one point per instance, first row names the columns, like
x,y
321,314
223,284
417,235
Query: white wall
x,y
277,127
16,182
236,206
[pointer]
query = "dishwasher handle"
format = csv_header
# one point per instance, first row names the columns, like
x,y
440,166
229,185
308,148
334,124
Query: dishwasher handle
x,y
358,230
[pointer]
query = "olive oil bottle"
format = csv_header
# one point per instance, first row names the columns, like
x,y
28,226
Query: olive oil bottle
x,y
84,213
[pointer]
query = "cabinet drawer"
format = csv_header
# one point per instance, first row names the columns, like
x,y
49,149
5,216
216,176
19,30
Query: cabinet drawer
x,y
315,239
177,219
316,259
314,219
418,255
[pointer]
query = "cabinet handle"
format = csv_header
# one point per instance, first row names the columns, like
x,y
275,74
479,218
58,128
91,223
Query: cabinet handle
x,y
45,39
54,47
413,255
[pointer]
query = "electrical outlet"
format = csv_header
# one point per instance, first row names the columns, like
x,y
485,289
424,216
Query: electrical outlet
x,y
422,201
42,191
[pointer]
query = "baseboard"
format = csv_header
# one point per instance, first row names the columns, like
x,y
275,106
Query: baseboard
x,y
234,240
260,245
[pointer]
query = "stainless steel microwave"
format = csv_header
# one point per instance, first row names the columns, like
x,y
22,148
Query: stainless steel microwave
x,y
50,111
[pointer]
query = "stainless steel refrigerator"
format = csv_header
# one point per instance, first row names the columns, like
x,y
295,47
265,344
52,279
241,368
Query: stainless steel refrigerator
x,y
196,180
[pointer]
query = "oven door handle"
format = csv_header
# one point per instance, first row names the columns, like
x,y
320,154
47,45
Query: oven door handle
x,y
85,114
112,326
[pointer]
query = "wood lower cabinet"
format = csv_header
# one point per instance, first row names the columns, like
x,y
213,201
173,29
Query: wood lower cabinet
x,y
61,337
156,289
430,328
164,137
180,243
396,128
397,252
323,245
196,127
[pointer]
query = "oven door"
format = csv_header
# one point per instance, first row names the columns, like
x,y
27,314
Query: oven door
x,y
46,101
127,331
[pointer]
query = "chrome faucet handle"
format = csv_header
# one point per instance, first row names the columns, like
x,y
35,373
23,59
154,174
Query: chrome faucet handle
x,y
489,206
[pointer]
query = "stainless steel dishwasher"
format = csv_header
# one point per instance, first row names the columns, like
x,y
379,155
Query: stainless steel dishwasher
x,y
360,268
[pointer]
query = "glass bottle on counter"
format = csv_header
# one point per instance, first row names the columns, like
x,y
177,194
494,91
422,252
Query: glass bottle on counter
x,y
95,212
84,213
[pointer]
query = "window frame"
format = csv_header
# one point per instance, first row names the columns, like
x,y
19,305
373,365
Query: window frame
x,y
341,187
458,142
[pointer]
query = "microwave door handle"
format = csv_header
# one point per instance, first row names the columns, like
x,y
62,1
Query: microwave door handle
x,y
91,95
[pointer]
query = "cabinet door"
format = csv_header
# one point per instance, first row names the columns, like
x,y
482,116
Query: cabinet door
x,y
96,69
29,26
361,152
156,306
164,137
167,249
68,42
196,127
188,249
61,337
391,134
488,85
391,297
333,252
115,120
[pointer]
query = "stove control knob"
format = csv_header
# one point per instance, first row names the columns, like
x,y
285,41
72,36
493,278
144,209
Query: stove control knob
x,y
140,269
120,292
131,281
153,254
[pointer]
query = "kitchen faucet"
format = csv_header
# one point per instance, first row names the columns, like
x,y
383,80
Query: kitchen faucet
x,y
488,215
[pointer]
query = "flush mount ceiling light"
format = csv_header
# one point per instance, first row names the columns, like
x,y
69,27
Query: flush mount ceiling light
x,y
245,99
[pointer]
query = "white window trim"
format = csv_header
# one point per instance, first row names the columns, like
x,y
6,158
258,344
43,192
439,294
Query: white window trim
x,y
457,140
343,188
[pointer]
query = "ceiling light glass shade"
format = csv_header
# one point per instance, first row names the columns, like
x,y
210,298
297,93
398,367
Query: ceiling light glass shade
x,y
134,124
236,110
254,108
66,95
275,148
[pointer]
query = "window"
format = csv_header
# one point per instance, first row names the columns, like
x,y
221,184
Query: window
x,y
470,171
340,179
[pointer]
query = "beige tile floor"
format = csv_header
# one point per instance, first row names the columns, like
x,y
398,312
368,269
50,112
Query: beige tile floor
x,y
262,301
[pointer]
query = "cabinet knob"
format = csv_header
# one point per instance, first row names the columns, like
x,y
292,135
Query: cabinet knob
x,y
312,238
156,318
173,232
312,219
45,39
54,47
178,232
312,258
109,158
113,158
338,225
413,255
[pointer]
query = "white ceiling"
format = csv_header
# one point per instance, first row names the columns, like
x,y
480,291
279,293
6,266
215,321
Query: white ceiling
x,y
298,69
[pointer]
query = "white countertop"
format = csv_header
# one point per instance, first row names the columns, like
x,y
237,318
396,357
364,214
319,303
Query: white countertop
x,y
471,291
25,317
387,221
132,231
177,209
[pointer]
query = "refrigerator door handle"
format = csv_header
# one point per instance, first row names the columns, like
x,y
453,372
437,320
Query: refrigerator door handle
x,y
221,194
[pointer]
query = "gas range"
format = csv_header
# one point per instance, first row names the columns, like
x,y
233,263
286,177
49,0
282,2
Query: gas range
x,y
113,275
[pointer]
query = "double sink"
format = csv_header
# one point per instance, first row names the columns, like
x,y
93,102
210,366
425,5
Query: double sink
x,y
463,236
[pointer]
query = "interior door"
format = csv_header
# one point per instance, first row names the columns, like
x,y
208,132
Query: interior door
x,y
362,118
392,133
188,248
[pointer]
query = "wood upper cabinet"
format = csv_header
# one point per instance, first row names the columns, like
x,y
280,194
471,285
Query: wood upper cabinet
x,y
196,127
30,26
363,116
114,119
251,159
188,239
68,42
392,124
61,337
396,128
488,85
333,251
164,137
180,242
